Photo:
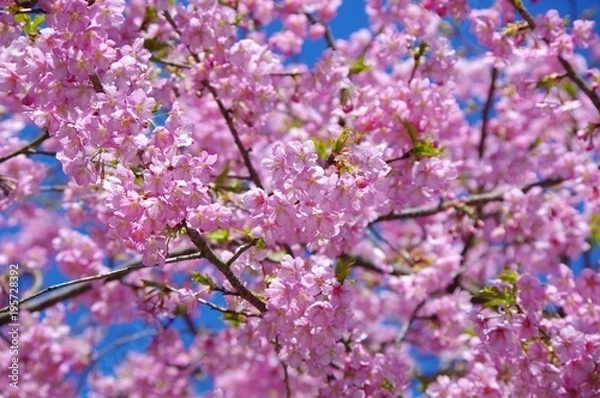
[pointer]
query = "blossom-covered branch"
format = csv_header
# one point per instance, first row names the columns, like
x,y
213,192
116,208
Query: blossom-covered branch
x,y
573,75
236,136
27,148
225,269
75,287
471,200
485,117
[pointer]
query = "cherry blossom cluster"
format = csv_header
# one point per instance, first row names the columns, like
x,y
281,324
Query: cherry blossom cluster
x,y
311,204
48,352
516,332
139,373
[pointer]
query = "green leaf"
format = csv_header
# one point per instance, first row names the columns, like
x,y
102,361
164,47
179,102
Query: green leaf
x,y
234,319
321,147
30,27
238,19
343,268
139,180
492,297
535,143
570,88
509,276
418,52
22,18
235,188
220,180
293,123
421,148
359,66
344,95
470,332
510,29
161,287
202,279
151,14
595,227
154,45
497,302
38,20
339,144
387,385
219,235
425,149
411,130
486,293
547,82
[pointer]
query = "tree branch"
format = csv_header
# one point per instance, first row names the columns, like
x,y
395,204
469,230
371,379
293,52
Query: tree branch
x,y
158,60
214,307
76,287
369,266
96,83
241,250
236,136
328,35
27,148
224,310
472,200
286,381
486,112
573,75
224,111
407,325
123,341
224,268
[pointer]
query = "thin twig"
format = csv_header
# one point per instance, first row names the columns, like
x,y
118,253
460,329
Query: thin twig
x,y
109,276
224,310
486,112
236,136
241,250
237,285
214,306
124,340
173,24
573,75
477,199
158,60
27,148
407,325
286,74
286,381
79,286
436,293
190,323
404,156
233,177
53,188
38,152
96,83
328,35
579,82
369,266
